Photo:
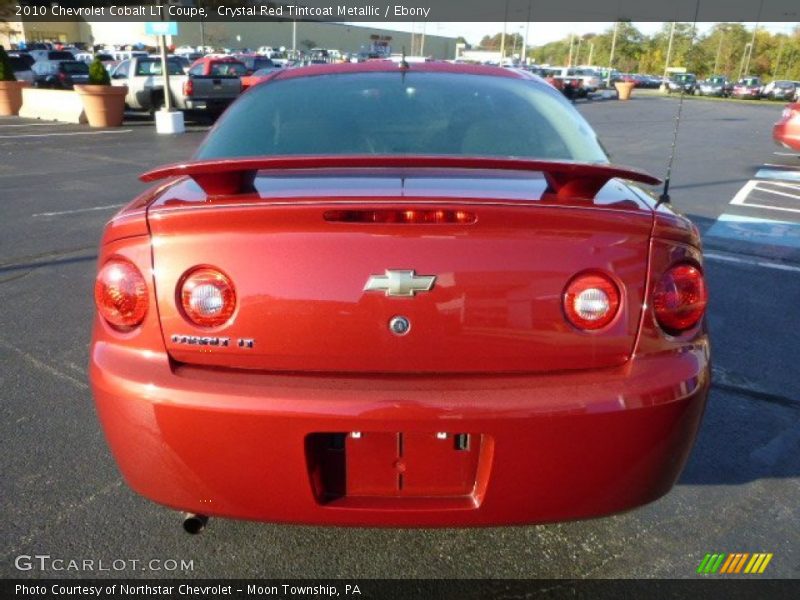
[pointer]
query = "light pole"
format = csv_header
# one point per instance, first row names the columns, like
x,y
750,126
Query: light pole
x,y
719,51
747,47
525,40
663,87
569,60
503,37
611,56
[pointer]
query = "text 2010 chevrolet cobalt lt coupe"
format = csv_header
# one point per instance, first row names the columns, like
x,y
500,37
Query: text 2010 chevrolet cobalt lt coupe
x,y
400,295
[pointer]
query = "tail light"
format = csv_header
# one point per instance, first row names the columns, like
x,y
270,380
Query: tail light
x,y
120,293
591,301
207,297
188,87
408,216
62,76
680,298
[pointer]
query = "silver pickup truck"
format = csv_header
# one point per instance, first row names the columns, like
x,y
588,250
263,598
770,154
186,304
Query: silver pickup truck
x,y
190,92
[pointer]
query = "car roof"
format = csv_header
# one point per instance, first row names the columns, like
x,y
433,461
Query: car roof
x,y
387,66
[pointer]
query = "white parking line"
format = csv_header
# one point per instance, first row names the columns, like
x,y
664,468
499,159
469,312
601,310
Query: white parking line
x,y
36,124
77,210
793,196
37,135
753,262
742,194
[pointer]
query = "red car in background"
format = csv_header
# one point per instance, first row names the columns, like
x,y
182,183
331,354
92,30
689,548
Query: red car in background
x,y
747,87
249,81
786,132
400,295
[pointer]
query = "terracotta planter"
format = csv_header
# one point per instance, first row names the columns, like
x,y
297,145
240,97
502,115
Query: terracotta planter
x,y
11,97
624,89
104,104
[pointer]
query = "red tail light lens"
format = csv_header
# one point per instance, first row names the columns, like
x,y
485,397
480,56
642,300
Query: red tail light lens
x,y
207,297
591,301
188,87
680,298
120,293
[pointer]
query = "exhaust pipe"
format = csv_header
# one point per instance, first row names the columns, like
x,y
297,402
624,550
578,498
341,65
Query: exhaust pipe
x,y
194,523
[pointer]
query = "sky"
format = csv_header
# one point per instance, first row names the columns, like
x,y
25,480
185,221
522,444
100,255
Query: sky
x,y
540,33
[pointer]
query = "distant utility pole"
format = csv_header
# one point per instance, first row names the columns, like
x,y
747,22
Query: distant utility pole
x,y
778,62
578,51
611,56
669,54
753,39
527,30
719,51
569,60
747,46
591,52
503,37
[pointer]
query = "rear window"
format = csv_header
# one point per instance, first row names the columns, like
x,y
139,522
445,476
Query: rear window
x,y
152,66
60,55
75,68
19,64
412,113
262,63
227,69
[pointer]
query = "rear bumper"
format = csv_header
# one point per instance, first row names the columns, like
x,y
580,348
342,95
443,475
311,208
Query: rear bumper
x,y
786,135
555,447
209,104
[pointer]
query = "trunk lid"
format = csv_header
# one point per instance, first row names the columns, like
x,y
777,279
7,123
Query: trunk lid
x,y
495,304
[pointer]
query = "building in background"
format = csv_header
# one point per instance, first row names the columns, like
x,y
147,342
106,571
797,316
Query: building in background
x,y
246,34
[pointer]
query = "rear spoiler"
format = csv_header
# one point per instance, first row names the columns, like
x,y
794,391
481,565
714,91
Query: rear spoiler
x,y
230,176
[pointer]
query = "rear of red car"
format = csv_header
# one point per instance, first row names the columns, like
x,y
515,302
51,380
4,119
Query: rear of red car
x,y
786,131
394,338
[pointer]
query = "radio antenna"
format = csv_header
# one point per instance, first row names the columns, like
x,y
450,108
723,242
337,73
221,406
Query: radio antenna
x,y
664,197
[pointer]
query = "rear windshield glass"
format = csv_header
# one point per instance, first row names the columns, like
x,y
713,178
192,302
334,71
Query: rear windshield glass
x,y
60,55
415,113
75,68
19,64
227,69
153,67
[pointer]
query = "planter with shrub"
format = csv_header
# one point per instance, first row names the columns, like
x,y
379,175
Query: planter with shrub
x,y
104,104
10,88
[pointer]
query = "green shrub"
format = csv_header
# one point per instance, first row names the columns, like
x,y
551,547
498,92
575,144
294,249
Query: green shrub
x,y
6,72
98,74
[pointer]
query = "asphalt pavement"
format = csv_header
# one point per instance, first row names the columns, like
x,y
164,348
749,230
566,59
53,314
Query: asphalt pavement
x,y
62,495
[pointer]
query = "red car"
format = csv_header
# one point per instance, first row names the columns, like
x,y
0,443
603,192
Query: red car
x,y
748,87
786,132
413,295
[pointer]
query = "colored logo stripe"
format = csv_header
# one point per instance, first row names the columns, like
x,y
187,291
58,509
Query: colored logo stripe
x,y
737,562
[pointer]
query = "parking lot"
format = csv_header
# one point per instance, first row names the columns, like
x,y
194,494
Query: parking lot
x,y
62,494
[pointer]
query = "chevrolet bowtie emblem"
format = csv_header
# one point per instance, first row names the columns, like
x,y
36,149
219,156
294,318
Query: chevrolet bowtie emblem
x,y
399,283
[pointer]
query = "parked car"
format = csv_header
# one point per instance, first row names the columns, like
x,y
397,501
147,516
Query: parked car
x,y
780,90
44,55
189,91
747,87
59,74
21,67
786,132
255,62
249,81
322,318
682,82
589,80
142,75
716,85
213,83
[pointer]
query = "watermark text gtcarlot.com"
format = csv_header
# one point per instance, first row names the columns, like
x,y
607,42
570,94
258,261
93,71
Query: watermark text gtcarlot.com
x,y
46,562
